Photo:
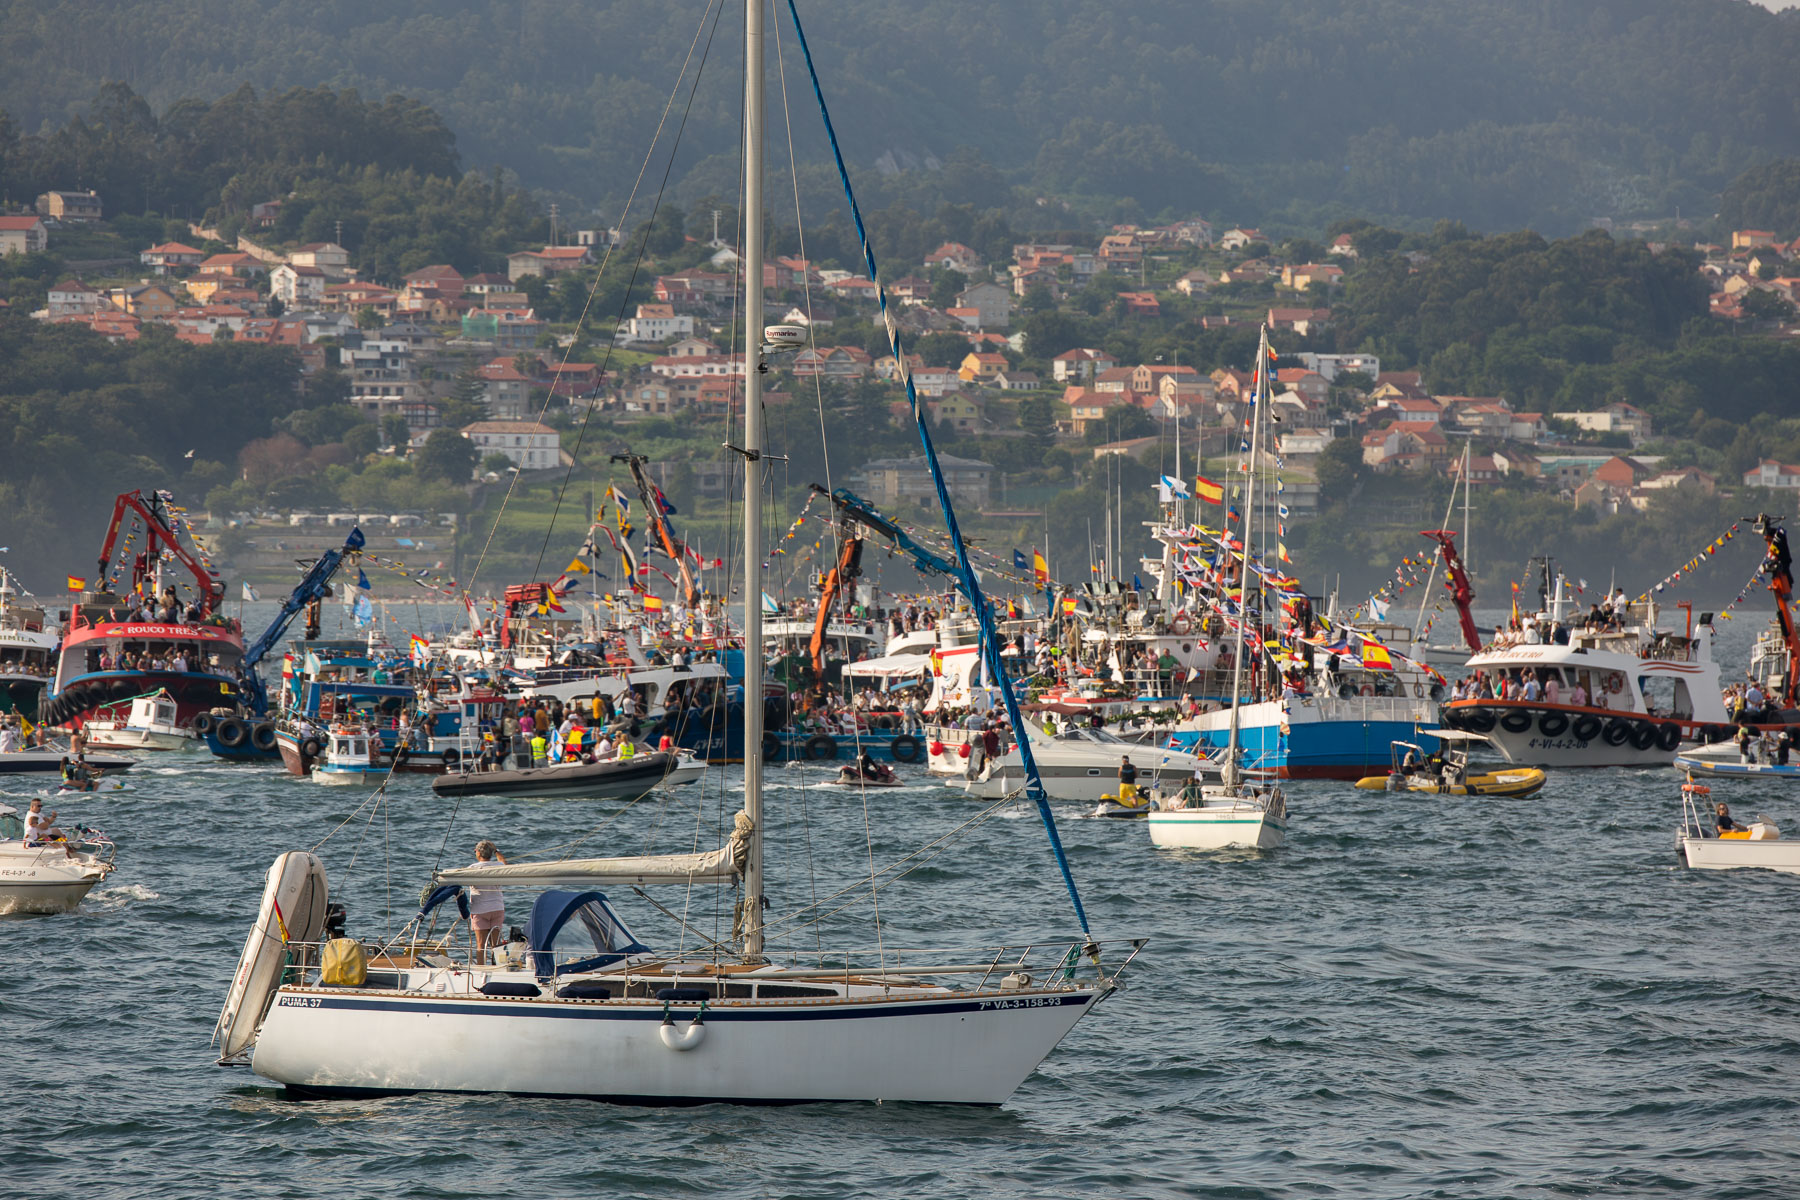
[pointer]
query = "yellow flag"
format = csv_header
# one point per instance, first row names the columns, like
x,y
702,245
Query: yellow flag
x,y
577,567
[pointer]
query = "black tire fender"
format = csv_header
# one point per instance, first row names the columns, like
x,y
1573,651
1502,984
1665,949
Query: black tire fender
x,y
232,733
1479,720
771,747
1552,724
204,723
906,748
263,737
1643,735
1515,720
821,746
1586,727
1668,736
1617,732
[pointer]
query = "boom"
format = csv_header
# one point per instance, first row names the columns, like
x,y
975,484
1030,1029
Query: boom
x,y
159,529
1462,593
312,588
861,511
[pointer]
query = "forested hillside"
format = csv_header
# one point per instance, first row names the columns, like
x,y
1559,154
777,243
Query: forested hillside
x,y
1503,114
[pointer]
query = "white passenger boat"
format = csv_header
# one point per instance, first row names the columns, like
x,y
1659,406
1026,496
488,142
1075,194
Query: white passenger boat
x,y
1646,690
1083,765
1700,844
149,724
614,1019
47,878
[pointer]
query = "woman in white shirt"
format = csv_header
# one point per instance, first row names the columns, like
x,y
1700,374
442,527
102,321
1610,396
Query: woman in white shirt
x,y
487,905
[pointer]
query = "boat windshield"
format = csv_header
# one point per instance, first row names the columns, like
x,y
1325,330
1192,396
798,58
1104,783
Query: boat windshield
x,y
1091,735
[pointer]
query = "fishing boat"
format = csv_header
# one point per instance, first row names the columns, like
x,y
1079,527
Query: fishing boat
x,y
147,724
1447,773
28,642
1701,845
1237,811
144,637
616,1019
48,878
349,761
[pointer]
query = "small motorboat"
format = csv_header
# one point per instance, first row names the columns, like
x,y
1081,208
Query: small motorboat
x,y
1138,804
880,776
47,878
50,762
349,761
608,779
1758,760
149,725
1699,843
1446,772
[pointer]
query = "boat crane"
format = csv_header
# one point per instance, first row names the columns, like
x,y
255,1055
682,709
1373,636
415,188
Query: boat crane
x,y
1462,592
159,529
314,587
1778,565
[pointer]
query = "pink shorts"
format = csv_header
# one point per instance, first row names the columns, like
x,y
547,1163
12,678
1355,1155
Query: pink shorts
x,y
488,920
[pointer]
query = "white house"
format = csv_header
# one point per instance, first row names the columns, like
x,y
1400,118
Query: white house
x,y
1333,365
1617,417
23,235
72,298
657,323
531,446
297,287
1770,474
329,257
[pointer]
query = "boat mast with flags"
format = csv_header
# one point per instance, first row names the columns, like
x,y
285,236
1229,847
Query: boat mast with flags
x,y
325,1014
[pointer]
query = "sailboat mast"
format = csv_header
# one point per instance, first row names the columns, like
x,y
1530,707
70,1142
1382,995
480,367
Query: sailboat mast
x,y
1230,772
753,434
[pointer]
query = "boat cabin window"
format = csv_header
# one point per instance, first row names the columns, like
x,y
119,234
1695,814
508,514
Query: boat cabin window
x,y
1665,697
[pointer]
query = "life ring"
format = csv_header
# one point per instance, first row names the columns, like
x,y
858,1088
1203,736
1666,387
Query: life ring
x,y
311,748
203,724
771,746
1643,736
452,758
936,748
1617,733
1614,683
1668,736
1516,720
1437,692
1418,690
232,733
821,746
264,737
1180,625
1346,691
1552,724
1479,720
1367,689
905,748
1586,727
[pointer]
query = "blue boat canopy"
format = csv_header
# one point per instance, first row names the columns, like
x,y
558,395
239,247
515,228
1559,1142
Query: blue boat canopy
x,y
441,893
556,908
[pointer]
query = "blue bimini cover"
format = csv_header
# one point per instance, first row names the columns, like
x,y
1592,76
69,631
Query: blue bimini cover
x,y
554,909
441,893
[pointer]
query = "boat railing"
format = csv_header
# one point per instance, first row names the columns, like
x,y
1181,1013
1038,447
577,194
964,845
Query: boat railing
x,y
1038,965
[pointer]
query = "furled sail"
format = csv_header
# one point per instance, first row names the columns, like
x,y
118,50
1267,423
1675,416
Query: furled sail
x,y
573,872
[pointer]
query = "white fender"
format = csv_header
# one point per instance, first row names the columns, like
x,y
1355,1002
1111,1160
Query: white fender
x,y
683,1039
296,889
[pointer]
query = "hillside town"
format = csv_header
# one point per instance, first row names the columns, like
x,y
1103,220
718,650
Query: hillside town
x,y
404,346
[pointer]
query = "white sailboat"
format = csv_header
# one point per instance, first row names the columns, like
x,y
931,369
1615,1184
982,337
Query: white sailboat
x,y
1237,811
616,1020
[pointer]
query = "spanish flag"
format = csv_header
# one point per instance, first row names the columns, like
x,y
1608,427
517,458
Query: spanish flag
x,y
652,603
1069,604
1209,491
937,663
77,583
1040,569
1375,657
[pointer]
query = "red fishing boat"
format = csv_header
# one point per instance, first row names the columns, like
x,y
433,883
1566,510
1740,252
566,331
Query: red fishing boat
x,y
132,636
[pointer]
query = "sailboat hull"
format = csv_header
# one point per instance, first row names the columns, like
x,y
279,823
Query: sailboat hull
x,y
973,1049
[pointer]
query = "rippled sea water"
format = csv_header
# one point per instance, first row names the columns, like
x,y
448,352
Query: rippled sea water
x,y
1417,996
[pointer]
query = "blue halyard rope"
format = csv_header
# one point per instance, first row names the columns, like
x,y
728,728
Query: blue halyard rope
x,y
968,584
